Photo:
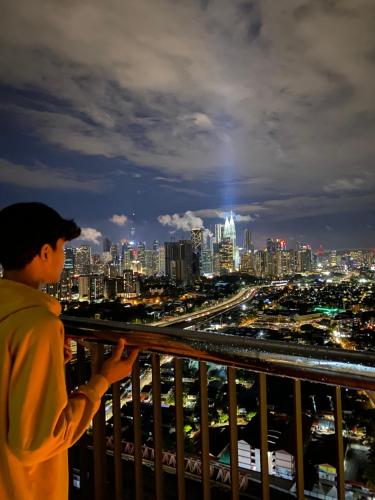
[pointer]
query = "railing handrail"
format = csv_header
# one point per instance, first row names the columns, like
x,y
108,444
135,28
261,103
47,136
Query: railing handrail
x,y
331,366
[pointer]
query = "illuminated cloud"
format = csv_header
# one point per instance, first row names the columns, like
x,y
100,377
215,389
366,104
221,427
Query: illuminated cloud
x,y
91,235
185,222
244,218
119,220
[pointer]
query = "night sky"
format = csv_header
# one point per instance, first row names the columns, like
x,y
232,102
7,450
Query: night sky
x,y
179,111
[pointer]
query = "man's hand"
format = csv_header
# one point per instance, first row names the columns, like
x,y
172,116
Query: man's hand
x,y
116,368
67,350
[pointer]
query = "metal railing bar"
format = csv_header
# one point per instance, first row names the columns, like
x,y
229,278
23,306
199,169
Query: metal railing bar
x,y
231,374
340,479
180,466
99,433
204,431
354,369
156,400
262,380
137,430
116,399
298,439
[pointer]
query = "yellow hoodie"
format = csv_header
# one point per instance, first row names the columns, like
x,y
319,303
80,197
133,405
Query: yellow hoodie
x,y
38,420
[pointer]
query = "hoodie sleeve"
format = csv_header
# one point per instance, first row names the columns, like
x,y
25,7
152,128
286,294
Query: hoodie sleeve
x,y
43,420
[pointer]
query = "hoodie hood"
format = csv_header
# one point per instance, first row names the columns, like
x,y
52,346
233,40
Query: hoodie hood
x,y
15,297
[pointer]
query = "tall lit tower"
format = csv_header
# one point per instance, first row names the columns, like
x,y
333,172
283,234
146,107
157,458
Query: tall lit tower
x,y
230,232
132,227
230,229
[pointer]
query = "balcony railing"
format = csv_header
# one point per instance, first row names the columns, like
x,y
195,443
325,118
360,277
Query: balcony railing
x,y
114,456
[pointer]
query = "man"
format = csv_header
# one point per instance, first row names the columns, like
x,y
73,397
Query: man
x,y
39,421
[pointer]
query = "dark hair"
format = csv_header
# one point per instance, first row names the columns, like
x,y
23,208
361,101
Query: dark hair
x,y
26,227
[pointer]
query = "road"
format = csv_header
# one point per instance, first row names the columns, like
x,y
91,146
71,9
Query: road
x,y
234,301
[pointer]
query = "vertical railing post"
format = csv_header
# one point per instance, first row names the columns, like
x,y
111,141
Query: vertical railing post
x,y
204,430
299,440
340,480
263,435
156,401
180,455
137,430
116,405
233,433
100,455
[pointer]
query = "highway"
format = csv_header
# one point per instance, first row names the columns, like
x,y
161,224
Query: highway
x,y
241,296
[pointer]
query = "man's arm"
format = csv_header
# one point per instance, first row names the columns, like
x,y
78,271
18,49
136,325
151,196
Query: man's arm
x,y
42,419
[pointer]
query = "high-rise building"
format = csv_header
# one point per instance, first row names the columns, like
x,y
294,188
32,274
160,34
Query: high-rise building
x,y
83,260
69,259
114,254
197,244
226,256
161,261
275,245
129,283
84,287
207,253
230,232
219,229
107,245
304,259
179,261
216,259
141,249
247,263
247,242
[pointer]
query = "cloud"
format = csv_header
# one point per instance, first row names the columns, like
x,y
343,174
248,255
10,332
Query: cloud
x,y
166,179
186,222
119,220
244,218
294,207
188,191
90,234
44,177
267,106
271,89
344,185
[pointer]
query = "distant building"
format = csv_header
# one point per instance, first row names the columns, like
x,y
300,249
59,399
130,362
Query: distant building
x,y
247,242
219,229
179,261
226,256
197,247
107,243
83,260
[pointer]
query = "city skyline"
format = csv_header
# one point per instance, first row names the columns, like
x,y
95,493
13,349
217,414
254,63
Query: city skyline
x,y
153,118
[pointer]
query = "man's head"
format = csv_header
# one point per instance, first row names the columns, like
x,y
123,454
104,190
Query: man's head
x,y
31,232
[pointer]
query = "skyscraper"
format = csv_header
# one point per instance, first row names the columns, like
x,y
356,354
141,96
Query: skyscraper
x,y
83,260
219,228
107,245
226,256
230,232
197,245
247,242
179,261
